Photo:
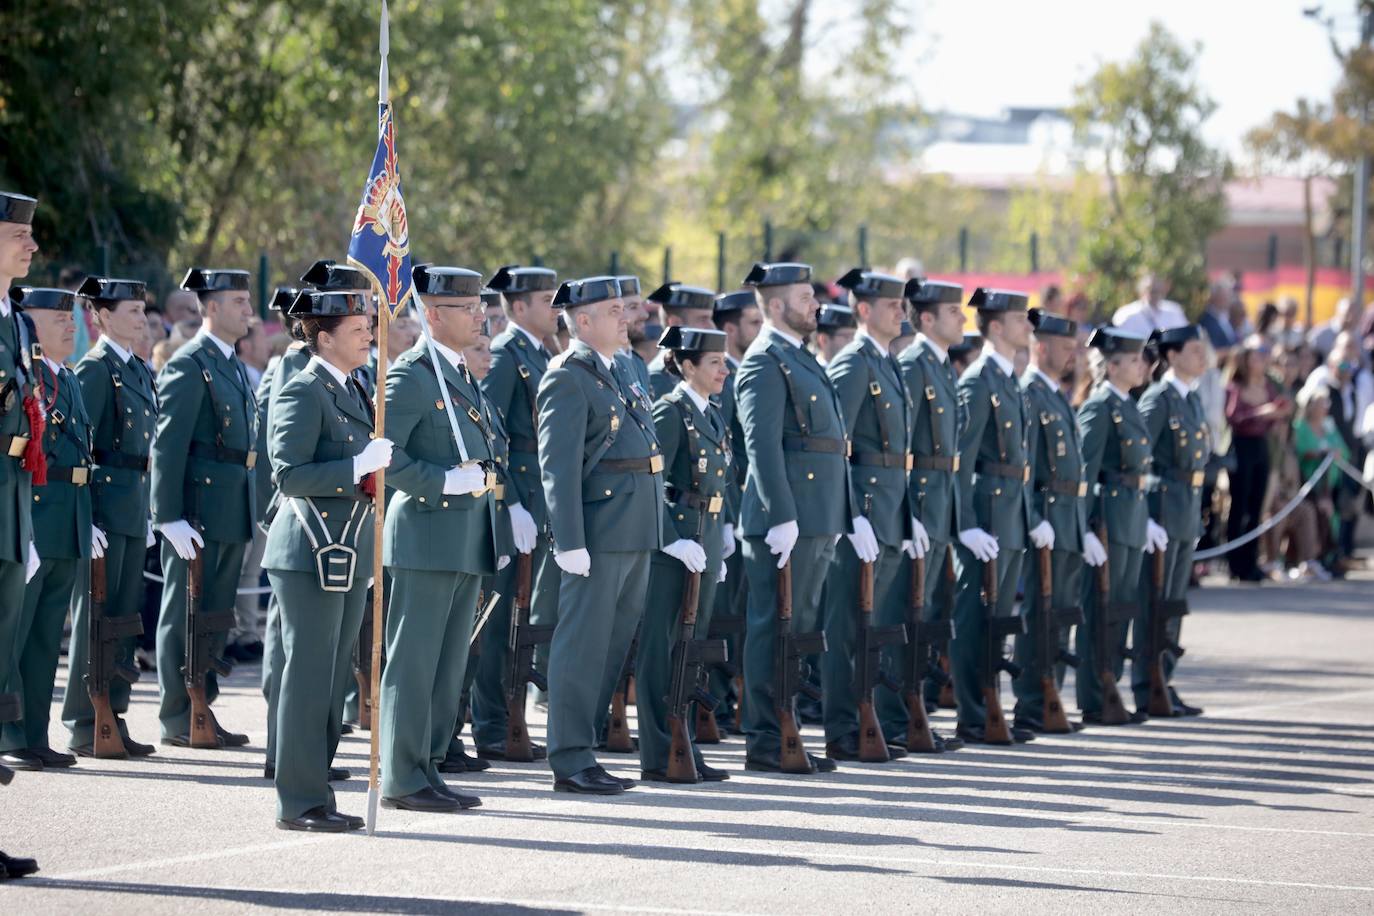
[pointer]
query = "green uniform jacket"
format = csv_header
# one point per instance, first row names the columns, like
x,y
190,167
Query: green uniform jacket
x,y
699,460
500,443
277,375
1180,438
810,487
16,520
995,415
935,427
62,511
729,412
196,414
636,378
585,417
661,381
318,426
426,528
123,419
1059,490
512,386
877,413
1115,442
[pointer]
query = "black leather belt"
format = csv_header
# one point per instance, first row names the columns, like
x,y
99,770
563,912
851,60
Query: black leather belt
x,y
815,444
1019,472
521,444
651,465
882,460
77,476
948,463
695,500
1130,481
1192,478
1066,487
224,455
112,459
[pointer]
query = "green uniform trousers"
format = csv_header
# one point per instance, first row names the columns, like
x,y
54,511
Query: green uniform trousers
x,y
597,616
732,597
38,643
969,647
1066,581
11,611
1178,565
318,629
1124,566
839,693
428,627
811,558
222,565
124,590
273,660
889,704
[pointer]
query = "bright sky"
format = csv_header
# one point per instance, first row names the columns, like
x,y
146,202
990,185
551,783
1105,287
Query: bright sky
x,y
980,56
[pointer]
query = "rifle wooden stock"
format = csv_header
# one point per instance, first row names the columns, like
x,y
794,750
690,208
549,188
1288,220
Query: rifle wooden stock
x,y
919,737
872,745
107,743
946,697
618,738
362,667
791,754
518,746
1160,704
1113,710
995,729
682,765
1056,721
204,730
708,732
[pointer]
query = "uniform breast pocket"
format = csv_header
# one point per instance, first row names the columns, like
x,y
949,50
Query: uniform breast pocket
x,y
601,487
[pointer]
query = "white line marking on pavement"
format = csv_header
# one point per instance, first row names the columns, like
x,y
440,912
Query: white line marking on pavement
x,y
185,860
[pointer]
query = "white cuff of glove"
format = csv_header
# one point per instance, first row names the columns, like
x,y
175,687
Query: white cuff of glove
x,y
780,540
863,540
727,532
720,576
522,528
982,545
183,538
574,562
32,564
464,479
1156,538
1094,554
1042,535
502,562
919,545
689,553
98,543
374,456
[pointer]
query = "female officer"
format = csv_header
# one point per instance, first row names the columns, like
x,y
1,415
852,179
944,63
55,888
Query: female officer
x,y
1116,457
319,547
696,451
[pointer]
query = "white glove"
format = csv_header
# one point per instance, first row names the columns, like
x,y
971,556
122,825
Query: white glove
x,y
375,456
981,544
502,562
98,543
1094,554
1042,535
727,532
690,553
464,479
720,577
862,539
574,562
919,544
1156,538
152,536
32,566
183,538
522,528
780,540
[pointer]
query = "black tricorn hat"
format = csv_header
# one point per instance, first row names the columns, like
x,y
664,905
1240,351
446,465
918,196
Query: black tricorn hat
x,y
516,279
692,340
330,275
1170,338
674,295
587,291
966,346
490,297
324,303
868,284
998,300
431,280
107,289
30,298
835,317
738,301
16,208
282,297
214,280
932,292
779,274
629,285
1048,324
1110,340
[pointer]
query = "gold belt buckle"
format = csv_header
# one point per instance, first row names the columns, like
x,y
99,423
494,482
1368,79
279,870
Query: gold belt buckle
x,y
714,506
81,476
909,461
1082,488
955,469
1025,474
655,464
1198,477
251,460
500,492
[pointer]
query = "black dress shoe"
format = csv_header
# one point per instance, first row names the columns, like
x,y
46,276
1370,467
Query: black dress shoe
x,y
14,867
662,776
822,764
21,759
317,820
464,801
462,762
975,734
185,741
51,759
1183,709
498,751
1031,725
345,729
1140,715
624,783
591,781
354,822
1095,718
427,799
712,774
846,748
137,748
895,751
269,771
1022,735
947,743
338,774
6,775
230,739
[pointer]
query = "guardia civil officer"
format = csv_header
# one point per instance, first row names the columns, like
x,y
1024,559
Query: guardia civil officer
x,y
602,475
319,547
1178,428
204,460
1116,458
62,529
876,411
994,503
796,496
519,360
440,540
120,398
1058,498
695,443
683,306
835,328
636,317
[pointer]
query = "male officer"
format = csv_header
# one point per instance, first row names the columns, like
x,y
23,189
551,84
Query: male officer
x,y
835,328
636,319
439,541
1058,499
876,412
120,399
682,306
796,496
937,313
518,363
204,489
602,476
62,530
994,506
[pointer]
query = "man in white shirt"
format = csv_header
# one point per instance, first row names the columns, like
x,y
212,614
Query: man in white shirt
x,y
1151,312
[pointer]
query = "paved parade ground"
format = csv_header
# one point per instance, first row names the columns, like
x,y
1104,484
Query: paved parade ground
x,y
1264,804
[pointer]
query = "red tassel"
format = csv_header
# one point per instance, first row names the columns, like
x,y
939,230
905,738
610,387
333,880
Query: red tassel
x,y
34,461
369,486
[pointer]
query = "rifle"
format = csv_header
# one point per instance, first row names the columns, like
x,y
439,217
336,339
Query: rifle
x,y
104,635
691,660
362,667
1108,615
868,669
789,660
995,730
524,639
618,740
1050,620
723,627
201,629
1159,642
946,698
921,662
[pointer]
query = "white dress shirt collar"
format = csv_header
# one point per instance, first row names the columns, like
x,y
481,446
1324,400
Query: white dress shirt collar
x,y
1054,386
339,375
1117,391
538,344
697,399
1183,387
1002,362
226,349
453,357
794,341
939,351
116,349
